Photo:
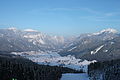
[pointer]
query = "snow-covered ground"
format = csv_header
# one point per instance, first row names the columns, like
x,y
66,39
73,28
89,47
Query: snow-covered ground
x,y
97,49
54,59
74,76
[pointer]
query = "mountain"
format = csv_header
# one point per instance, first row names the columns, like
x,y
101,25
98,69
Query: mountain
x,y
99,46
12,39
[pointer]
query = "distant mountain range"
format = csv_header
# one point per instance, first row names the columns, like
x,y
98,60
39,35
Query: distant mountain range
x,y
12,39
103,45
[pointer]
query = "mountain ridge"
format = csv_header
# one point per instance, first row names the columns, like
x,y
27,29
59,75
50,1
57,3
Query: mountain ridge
x,y
85,46
32,39
93,45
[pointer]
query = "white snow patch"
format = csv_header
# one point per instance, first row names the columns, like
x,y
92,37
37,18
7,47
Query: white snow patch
x,y
30,30
72,48
97,49
112,42
41,41
85,42
109,30
105,50
34,42
35,39
12,28
71,44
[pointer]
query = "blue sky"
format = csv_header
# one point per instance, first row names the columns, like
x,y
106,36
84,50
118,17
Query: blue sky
x,y
60,17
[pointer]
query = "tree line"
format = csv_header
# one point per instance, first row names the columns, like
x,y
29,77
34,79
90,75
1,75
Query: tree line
x,y
107,70
17,68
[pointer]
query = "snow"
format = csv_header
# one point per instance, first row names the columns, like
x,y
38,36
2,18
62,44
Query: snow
x,y
41,41
85,42
30,30
75,76
105,50
12,28
109,30
112,42
72,48
71,44
58,39
37,38
97,49
34,36
54,59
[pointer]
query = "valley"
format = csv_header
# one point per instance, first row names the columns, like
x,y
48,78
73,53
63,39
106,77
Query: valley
x,y
54,59
79,55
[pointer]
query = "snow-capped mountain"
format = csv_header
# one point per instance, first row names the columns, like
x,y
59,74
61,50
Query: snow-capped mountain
x,y
109,30
109,50
12,39
88,45
44,41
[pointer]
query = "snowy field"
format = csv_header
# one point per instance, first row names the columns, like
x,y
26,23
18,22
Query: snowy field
x,y
74,76
54,59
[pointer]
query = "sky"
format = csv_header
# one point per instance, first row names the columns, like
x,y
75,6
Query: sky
x,y
60,17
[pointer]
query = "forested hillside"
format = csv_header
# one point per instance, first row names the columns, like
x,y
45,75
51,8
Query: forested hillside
x,y
108,70
17,68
